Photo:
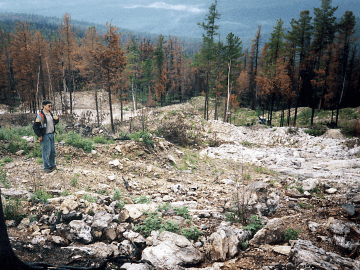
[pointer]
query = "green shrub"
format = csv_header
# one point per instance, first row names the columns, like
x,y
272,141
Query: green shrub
x,y
300,189
100,139
183,212
13,210
352,130
305,206
74,181
6,160
170,226
77,141
304,117
118,198
235,215
64,193
40,195
3,175
36,151
141,200
291,234
142,136
59,138
254,224
89,198
316,131
117,195
293,130
164,207
120,204
192,233
153,222
244,245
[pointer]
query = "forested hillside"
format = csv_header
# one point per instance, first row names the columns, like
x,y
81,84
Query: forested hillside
x,y
314,64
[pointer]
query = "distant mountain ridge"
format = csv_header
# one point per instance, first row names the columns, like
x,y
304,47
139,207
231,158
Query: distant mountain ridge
x,y
50,25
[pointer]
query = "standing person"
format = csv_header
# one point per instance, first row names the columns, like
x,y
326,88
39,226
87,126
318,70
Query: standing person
x,y
44,128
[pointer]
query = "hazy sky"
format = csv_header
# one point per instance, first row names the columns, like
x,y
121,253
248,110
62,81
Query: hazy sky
x,y
178,17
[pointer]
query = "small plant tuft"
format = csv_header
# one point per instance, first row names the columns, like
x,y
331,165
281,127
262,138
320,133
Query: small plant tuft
x,y
40,195
254,224
12,210
291,234
192,233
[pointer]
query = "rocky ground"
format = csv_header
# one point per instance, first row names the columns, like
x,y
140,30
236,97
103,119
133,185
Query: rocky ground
x,y
298,186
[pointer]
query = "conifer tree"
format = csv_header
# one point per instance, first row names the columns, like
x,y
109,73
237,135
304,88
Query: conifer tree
x,y
254,57
300,38
207,52
232,54
23,64
274,52
111,60
67,36
160,71
324,33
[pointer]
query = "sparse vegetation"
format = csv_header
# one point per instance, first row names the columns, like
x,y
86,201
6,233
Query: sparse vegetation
x,y
3,175
89,198
40,195
255,224
141,200
143,136
291,234
305,206
13,209
183,212
77,141
74,181
192,233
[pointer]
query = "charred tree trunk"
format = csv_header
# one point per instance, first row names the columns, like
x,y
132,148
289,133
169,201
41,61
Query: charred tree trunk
x,y
8,258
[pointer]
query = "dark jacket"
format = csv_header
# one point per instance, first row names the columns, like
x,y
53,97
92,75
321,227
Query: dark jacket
x,y
39,125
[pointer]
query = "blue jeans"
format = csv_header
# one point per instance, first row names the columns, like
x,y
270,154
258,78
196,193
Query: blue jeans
x,y
48,151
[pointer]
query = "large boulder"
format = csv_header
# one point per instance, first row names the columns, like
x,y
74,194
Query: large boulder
x,y
171,251
101,220
272,233
346,235
305,255
81,231
225,242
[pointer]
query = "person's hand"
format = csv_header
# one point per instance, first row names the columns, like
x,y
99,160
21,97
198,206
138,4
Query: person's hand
x,y
40,139
56,117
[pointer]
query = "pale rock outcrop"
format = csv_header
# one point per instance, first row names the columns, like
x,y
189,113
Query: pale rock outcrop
x,y
171,251
81,231
136,210
225,242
